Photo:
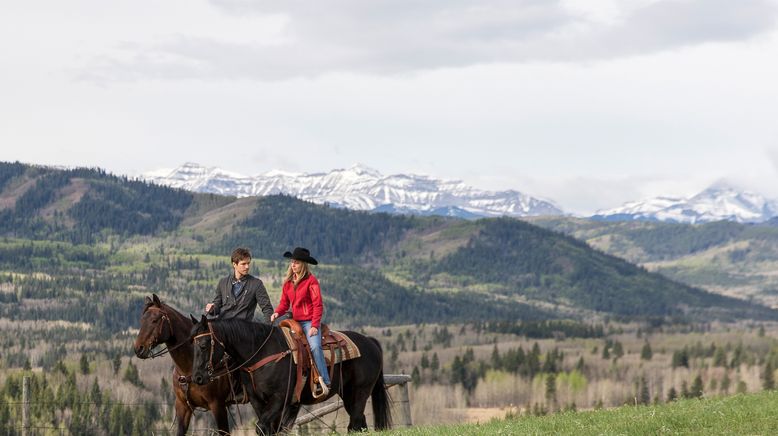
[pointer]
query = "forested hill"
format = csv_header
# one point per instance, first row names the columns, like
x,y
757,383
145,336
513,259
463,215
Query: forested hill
x,y
101,243
79,205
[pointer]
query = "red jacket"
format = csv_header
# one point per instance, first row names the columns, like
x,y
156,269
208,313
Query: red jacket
x,y
305,299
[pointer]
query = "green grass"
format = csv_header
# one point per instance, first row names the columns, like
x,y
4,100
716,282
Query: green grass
x,y
752,414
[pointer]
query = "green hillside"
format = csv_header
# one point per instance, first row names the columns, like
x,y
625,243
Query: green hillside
x,y
752,414
85,246
723,257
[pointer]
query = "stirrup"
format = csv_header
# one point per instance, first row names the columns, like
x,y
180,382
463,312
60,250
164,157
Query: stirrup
x,y
324,389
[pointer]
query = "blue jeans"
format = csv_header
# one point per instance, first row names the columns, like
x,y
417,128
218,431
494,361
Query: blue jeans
x,y
318,354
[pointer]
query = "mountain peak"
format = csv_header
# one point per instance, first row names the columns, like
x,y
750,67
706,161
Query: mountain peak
x,y
720,201
360,187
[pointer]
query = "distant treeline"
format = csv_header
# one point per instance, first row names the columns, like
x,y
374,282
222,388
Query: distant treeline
x,y
280,223
108,204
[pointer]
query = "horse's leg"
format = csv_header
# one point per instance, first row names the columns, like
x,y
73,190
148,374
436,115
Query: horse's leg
x,y
290,415
269,415
184,416
219,411
354,401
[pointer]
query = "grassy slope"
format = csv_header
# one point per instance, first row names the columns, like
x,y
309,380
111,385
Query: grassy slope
x,y
735,415
727,258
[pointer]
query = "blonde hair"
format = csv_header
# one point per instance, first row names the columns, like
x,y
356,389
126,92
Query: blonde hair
x,y
290,274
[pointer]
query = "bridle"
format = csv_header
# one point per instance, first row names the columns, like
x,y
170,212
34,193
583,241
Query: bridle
x,y
210,366
158,333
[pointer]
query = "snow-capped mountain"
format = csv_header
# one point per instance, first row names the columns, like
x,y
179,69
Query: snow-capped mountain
x,y
361,188
719,202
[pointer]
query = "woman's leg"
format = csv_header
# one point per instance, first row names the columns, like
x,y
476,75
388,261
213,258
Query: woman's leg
x,y
318,355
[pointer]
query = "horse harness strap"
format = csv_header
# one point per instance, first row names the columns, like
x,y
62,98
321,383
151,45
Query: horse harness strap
x,y
273,358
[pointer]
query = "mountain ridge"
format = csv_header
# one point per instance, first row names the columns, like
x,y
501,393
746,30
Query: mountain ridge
x,y
362,188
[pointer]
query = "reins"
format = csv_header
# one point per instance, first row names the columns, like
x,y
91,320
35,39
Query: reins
x,y
212,334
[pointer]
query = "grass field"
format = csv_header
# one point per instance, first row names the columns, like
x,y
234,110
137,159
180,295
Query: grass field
x,y
750,414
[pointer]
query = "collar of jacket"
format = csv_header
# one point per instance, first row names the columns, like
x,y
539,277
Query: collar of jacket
x,y
242,279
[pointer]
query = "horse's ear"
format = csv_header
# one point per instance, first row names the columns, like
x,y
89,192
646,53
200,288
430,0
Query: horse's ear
x,y
156,300
148,301
194,320
204,320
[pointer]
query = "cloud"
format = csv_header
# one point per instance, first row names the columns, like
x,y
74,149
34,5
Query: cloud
x,y
401,36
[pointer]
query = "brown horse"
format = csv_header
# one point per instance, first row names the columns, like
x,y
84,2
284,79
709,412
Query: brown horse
x,y
160,323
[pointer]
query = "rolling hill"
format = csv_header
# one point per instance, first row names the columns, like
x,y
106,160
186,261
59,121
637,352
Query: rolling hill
x,y
85,246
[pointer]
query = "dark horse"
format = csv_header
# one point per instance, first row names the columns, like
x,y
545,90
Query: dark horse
x,y
160,323
270,387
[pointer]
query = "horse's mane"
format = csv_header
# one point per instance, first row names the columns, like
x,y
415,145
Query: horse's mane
x,y
240,331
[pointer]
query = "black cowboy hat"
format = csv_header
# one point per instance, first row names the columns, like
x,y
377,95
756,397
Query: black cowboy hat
x,y
301,254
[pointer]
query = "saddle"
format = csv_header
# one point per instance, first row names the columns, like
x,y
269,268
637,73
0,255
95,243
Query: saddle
x,y
336,346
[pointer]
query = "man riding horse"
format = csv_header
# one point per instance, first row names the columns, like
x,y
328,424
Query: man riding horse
x,y
237,297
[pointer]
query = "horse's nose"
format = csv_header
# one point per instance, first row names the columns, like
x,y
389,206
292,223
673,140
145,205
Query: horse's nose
x,y
139,351
198,378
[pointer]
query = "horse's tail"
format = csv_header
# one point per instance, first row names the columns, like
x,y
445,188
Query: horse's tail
x,y
382,414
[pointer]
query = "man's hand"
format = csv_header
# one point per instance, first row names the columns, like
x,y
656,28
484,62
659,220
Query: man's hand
x,y
208,307
273,317
312,332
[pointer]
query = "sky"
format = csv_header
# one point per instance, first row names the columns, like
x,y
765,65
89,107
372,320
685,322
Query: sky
x,y
588,103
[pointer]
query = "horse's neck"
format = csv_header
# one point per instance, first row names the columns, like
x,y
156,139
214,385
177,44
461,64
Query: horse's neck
x,y
180,353
248,348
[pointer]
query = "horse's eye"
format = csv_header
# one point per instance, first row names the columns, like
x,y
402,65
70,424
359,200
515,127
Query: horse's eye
x,y
202,345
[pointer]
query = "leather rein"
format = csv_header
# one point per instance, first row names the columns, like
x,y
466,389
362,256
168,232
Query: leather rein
x,y
210,366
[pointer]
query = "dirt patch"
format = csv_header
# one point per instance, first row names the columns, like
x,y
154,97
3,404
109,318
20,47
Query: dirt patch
x,y
66,197
15,190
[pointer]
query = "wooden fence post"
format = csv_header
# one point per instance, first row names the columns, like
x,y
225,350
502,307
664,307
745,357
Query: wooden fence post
x,y
405,406
26,406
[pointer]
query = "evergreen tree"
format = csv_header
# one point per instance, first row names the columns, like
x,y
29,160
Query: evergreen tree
x,y
425,362
644,397
117,363
646,353
672,395
551,387
720,357
697,387
496,359
416,376
131,375
618,350
84,365
768,379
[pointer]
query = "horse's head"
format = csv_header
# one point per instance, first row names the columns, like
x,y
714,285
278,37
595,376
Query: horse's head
x,y
208,351
155,327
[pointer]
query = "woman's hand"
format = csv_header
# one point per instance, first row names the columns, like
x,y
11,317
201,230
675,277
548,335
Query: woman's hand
x,y
208,307
273,317
312,332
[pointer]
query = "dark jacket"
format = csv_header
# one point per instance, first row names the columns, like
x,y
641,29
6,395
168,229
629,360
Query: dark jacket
x,y
252,293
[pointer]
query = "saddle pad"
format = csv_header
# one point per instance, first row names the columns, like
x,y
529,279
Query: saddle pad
x,y
351,347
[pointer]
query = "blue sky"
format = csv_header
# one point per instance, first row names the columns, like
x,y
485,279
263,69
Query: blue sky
x,y
589,103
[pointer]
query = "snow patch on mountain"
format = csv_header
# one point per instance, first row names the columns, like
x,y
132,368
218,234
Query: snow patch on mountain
x,y
361,188
717,203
